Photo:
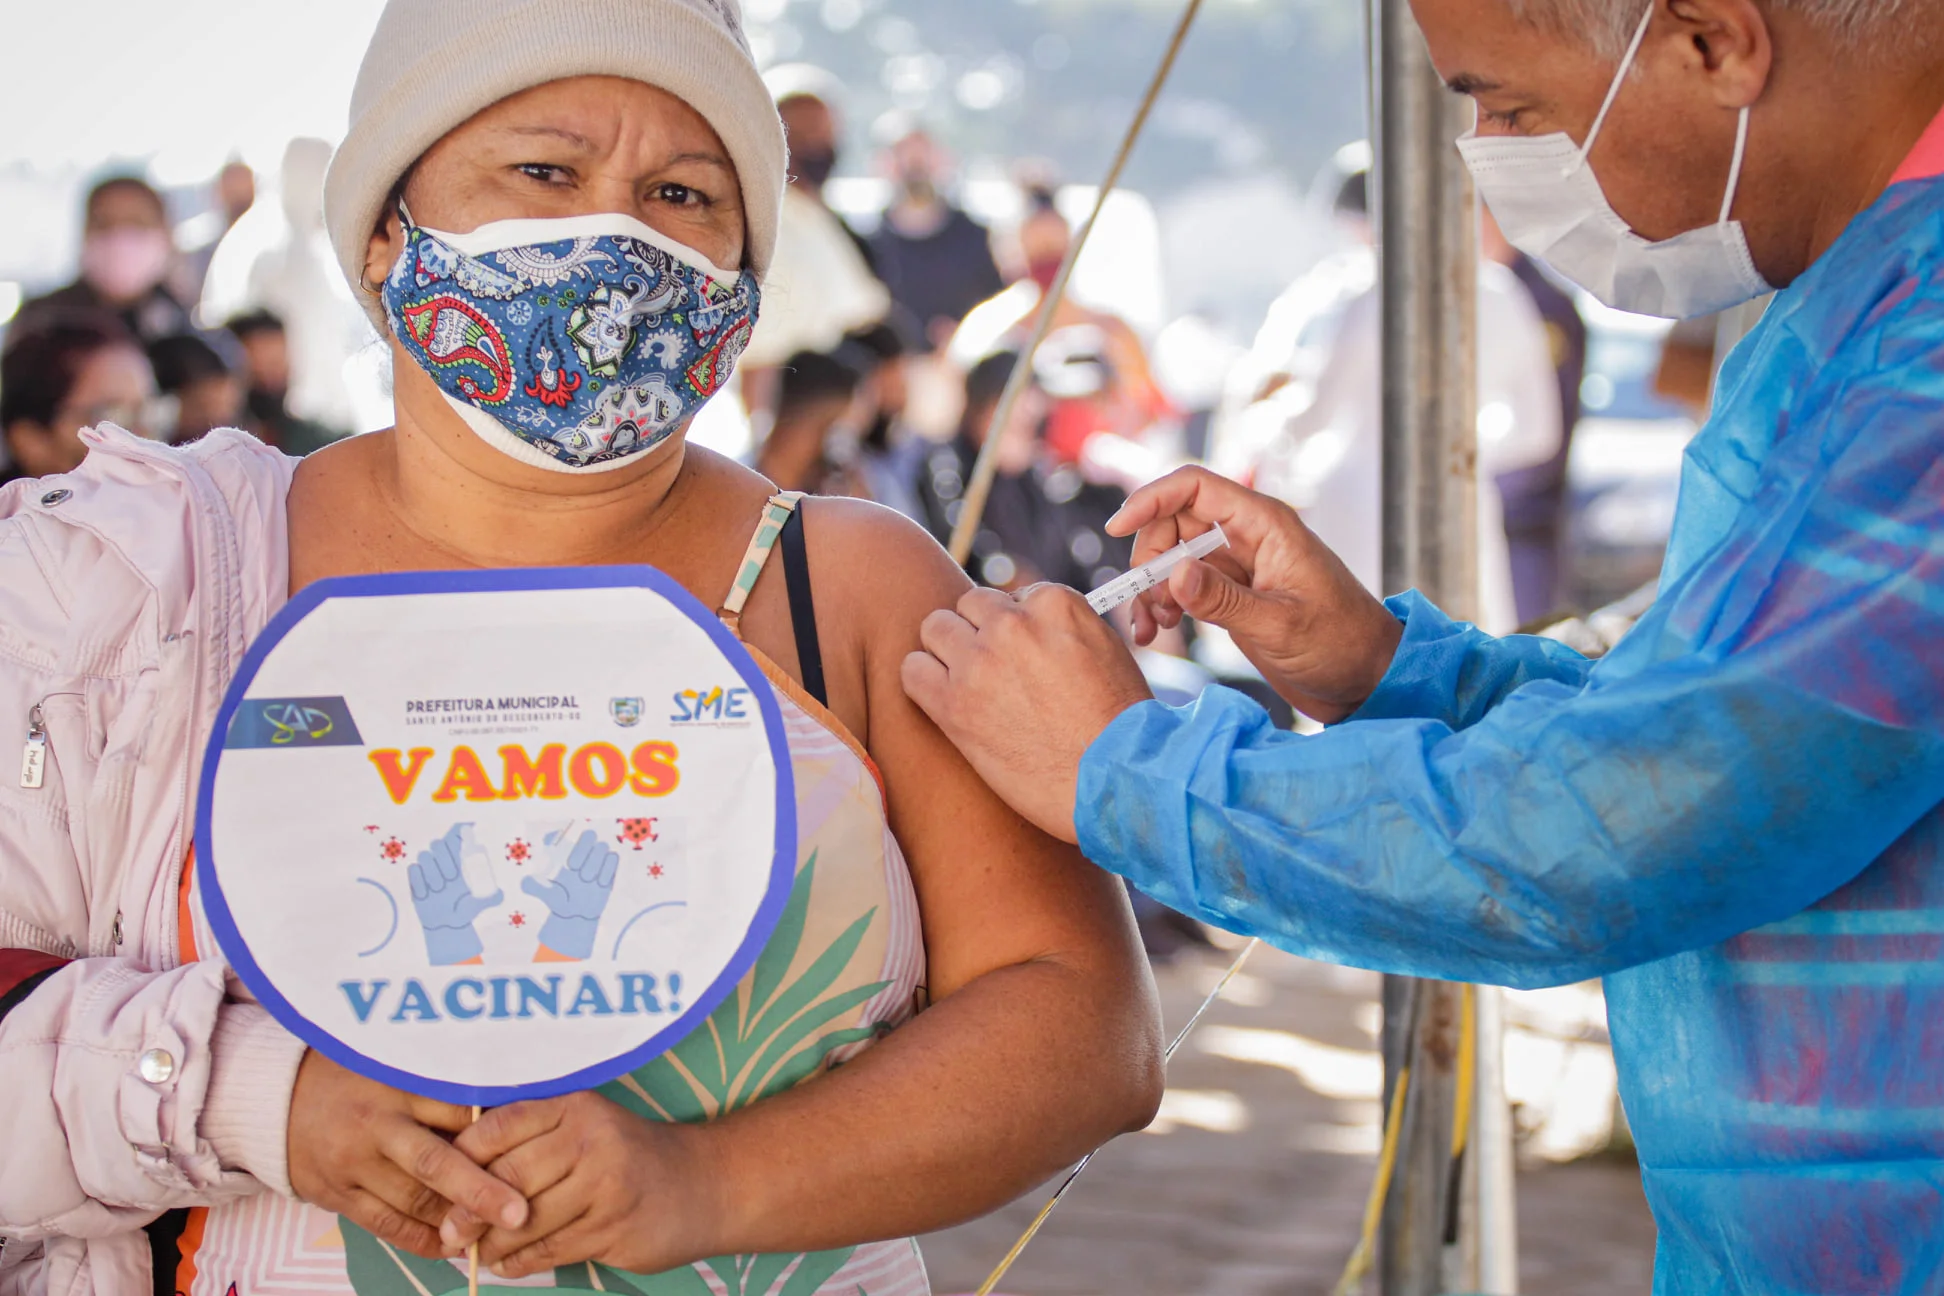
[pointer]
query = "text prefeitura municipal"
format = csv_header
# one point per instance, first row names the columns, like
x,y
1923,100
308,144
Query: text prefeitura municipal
x,y
428,706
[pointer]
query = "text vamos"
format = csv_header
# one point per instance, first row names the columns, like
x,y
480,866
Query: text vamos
x,y
597,770
500,998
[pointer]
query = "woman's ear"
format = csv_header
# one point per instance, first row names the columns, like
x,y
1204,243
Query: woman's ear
x,y
381,254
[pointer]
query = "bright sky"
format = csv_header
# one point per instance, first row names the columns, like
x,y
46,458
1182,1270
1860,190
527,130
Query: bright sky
x,y
184,82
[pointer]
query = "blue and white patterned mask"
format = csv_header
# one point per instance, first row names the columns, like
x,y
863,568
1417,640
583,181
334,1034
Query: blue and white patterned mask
x,y
572,344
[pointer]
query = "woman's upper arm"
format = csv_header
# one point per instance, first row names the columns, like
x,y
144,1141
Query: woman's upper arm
x,y
993,890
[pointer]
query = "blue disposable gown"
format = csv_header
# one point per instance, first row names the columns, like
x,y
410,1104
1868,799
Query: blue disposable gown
x,y
1734,817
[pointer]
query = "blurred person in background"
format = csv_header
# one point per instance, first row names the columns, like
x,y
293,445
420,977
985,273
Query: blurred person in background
x,y
70,371
127,253
204,385
935,259
1686,372
1135,403
812,444
1289,346
265,345
1534,497
890,452
822,285
1312,436
1042,520
233,193
278,258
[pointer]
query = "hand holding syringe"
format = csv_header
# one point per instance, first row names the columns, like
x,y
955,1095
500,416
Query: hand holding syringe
x,y
1132,584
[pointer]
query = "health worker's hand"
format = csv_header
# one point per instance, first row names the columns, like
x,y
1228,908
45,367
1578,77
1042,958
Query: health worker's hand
x,y
605,1184
377,1156
1320,639
1023,685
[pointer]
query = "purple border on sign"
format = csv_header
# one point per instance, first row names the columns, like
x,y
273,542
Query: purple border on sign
x,y
768,913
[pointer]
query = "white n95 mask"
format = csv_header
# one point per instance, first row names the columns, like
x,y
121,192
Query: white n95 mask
x,y
1550,206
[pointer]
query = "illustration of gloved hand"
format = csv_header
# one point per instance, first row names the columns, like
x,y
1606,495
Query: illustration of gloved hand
x,y
446,905
577,897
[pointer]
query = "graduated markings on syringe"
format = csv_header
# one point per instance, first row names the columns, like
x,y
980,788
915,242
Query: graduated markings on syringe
x,y
1151,573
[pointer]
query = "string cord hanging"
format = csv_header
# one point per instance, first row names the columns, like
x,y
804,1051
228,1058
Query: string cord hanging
x,y
1032,1230
966,529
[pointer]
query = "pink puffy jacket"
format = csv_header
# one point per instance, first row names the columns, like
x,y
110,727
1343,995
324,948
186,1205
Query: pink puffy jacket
x,y
130,1084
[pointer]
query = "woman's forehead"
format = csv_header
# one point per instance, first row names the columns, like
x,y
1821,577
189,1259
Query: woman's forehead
x,y
595,114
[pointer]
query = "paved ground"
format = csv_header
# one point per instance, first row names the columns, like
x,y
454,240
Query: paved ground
x,y
1253,1180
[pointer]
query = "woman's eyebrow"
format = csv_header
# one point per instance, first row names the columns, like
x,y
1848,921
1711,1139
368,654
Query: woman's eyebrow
x,y
580,142
573,138
707,159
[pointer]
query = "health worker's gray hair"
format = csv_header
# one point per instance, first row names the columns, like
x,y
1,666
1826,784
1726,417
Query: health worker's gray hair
x,y
1607,25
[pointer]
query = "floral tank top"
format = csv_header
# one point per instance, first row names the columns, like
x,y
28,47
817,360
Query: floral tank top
x,y
845,965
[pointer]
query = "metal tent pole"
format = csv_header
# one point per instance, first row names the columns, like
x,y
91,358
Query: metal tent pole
x,y
1498,1222
1427,237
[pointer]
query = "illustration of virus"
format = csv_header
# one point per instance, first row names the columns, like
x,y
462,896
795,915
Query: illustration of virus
x,y
371,828
392,849
656,870
638,832
518,852
517,919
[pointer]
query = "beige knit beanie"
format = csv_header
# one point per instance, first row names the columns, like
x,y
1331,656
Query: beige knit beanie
x,y
432,64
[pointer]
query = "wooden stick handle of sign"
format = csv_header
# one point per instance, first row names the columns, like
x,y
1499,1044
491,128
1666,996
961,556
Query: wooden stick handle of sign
x,y
1032,1230
472,1252
966,529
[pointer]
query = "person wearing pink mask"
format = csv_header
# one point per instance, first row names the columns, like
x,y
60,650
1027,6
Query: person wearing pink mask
x,y
126,255
1131,403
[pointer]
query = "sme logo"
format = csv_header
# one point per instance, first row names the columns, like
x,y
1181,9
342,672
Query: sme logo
x,y
714,706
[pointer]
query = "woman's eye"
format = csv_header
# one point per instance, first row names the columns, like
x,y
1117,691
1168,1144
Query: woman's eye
x,y
680,195
1508,120
544,172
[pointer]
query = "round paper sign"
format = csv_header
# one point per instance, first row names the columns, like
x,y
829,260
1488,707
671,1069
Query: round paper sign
x,y
495,835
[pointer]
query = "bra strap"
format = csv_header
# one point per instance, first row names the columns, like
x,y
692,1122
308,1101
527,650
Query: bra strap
x,y
803,609
781,505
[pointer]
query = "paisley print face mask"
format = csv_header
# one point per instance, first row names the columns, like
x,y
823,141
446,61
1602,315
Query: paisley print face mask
x,y
572,344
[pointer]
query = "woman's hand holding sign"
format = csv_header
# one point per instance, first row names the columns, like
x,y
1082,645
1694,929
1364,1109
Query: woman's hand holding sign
x,y
605,1185
380,1157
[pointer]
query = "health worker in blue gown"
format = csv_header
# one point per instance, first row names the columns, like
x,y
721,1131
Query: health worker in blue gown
x,y
1735,816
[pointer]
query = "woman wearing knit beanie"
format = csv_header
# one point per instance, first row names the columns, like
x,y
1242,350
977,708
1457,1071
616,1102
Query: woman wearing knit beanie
x,y
560,212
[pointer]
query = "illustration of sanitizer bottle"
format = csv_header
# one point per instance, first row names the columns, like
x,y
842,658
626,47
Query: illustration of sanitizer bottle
x,y
476,862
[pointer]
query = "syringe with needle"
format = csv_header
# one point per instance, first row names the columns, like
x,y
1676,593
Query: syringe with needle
x,y
1152,572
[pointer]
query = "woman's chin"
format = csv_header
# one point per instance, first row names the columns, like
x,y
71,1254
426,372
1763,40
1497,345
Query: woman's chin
x,y
432,430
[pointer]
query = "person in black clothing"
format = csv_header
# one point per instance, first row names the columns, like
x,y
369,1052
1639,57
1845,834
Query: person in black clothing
x,y
1042,521
888,451
71,370
266,370
203,383
1534,498
815,398
936,260
806,100
127,251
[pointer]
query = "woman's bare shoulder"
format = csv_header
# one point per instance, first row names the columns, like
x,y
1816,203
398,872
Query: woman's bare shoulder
x,y
884,571
344,466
